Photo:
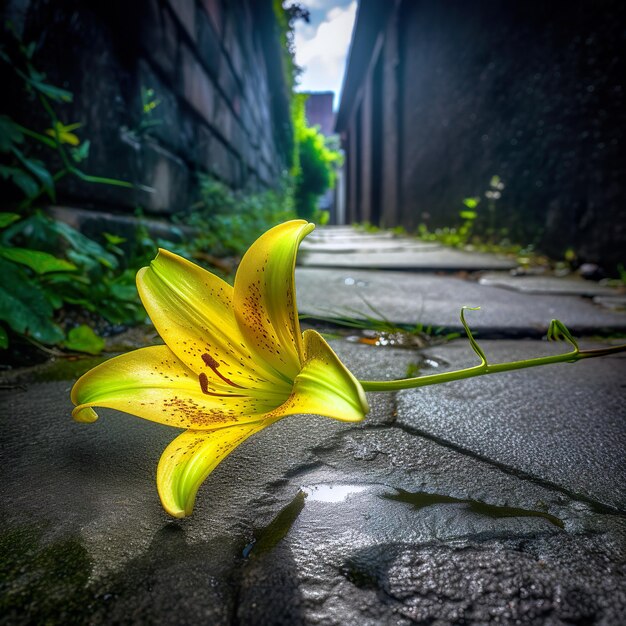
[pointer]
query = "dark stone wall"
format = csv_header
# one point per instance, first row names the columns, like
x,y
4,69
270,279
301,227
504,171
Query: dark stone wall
x,y
533,92
215,67
391,123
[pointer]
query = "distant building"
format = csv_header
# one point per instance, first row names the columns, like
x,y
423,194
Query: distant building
x,y
319,111
439,97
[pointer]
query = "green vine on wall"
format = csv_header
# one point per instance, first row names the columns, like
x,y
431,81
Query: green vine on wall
x,y
31,175
48,266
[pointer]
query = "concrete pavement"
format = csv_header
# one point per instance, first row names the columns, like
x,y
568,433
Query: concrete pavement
x,y
498,499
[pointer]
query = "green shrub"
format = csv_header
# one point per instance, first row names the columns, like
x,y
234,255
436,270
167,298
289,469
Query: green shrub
x,y
48,266
227,222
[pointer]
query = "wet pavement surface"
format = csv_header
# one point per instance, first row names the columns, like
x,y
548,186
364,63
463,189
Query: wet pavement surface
x,y
435,300
490,500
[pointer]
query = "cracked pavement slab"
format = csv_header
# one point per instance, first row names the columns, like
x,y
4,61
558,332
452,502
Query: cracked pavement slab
x,y
328,247
412,258
435,301
563,424
553,285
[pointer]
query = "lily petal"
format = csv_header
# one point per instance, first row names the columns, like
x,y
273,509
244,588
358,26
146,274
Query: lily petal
x,y
324,386
190,458
154,384
192,311
265,298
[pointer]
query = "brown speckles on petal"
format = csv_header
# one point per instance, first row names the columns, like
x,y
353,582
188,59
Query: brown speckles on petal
x,y
193,415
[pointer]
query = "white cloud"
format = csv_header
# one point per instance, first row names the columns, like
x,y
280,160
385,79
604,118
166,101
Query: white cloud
x,y
317,4
321,51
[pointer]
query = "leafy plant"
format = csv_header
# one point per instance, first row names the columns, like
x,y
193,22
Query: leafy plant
x,y
25,307
461,235
227,222
368,227
48,266
18,143
147,120
286,16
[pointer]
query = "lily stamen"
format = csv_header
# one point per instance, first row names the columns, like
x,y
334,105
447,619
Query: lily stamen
x,y
213,364
204,386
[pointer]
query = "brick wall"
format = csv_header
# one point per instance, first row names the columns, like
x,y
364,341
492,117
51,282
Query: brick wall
x,y
215,67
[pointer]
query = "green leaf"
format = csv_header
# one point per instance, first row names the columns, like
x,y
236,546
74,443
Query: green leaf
x,y
40,262
81,152
10,134
88,247
124,292
24,307
39,170
468,215
55,93
105,259
68,278
84,339
471,203
34,75
4,339
55,300
558,331
25,182
114,239
43,233
8,218
84,261
29,50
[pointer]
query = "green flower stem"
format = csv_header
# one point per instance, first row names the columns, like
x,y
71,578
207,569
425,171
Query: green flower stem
x,y
38,136
66,161
484,368
69,168
556,331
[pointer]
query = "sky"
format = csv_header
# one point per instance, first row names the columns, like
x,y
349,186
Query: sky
x,y
322,45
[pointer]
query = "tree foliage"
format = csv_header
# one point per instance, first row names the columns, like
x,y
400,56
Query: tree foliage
x,y
315,162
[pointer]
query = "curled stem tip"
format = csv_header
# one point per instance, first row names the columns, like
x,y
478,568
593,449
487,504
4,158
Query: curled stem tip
x,y
477,349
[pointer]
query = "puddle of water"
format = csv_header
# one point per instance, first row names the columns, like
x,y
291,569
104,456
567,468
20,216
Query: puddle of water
x,y
331,493
396,339
422,499
353,282
268,537
415,369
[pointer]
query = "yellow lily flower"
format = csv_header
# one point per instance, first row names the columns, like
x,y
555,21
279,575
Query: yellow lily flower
x,y
64,134
235,361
